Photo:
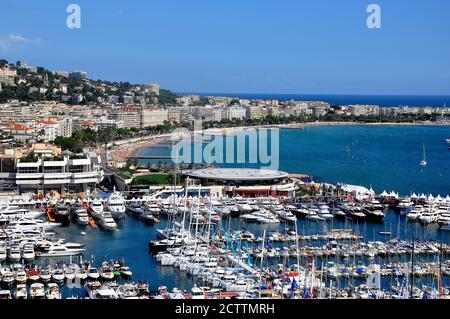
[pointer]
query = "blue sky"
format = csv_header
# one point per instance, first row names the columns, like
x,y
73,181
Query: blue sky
x,y
251,46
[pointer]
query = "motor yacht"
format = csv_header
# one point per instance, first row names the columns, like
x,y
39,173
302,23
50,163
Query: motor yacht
x,y
33,276
93,273
13,212
428,216
107,222
337,212
96,208
58,275
21,292
37,291
106,271
45,275
26,224
14,254
28,253
82,217
415,213
7,277
115,205
3,252
286,215
52,291
59,250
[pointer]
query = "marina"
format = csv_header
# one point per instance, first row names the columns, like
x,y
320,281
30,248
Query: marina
x,y
183,246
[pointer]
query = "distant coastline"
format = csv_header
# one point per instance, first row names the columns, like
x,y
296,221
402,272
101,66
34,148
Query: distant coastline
x,y
343,99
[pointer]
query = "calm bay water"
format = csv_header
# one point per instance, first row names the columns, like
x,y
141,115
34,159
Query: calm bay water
x,y
384,157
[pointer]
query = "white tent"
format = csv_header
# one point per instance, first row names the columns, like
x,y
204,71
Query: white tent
x,y
431,197
384,194
422,196
439,198
414,195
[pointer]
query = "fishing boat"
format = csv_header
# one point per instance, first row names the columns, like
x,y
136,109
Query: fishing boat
x,y
153,208
115,205
423,162
33,276
415,213
107,222
126,272
96,208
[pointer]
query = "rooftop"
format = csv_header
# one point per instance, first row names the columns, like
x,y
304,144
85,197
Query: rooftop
x,y
241,174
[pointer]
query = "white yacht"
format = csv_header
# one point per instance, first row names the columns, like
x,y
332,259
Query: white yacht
x,y
3,252
107,221
21,292
28,253
82,217
429,216
37,291
153,208
52,291
14,254
59,250
96,208
423,162
415,212
115,205
286,215
14,212
25,223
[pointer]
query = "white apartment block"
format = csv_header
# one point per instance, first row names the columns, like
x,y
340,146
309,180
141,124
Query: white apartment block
x,y
64,174
152,116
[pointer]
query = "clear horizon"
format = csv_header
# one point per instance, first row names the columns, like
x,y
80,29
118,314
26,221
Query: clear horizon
x,y
320,48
